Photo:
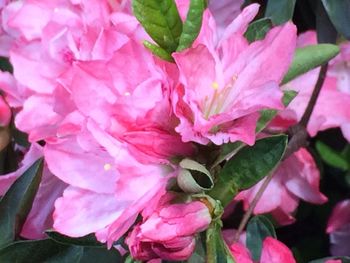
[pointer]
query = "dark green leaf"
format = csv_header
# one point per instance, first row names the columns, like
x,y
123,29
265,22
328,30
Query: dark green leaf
x,y
158,51
323,260
267,115
338,11
248,166
331,157
5,65
100,255
46,251
193,24
49,251
308,58
161,20
258,29
217,250
86,241
17,202
280,11
259,227
326,32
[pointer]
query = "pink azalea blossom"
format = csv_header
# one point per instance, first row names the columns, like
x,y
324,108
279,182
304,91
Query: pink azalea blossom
x,y
273,251
331,108
101,102
168,232
225,83
296,178
339,229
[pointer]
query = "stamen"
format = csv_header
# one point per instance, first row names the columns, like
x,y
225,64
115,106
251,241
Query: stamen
x,y
107,167
215,85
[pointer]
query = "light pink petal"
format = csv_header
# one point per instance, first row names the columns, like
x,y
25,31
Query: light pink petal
x,y
40,218
80,212
91,169
38,117
302,177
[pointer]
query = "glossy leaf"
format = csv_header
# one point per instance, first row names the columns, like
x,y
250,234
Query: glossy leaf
x,y
267,115
193,24
258,228
17,202
248,166
331,157
217,250
308,58
48,251
338,12
280,11
161,20
258,29
86,241
326,32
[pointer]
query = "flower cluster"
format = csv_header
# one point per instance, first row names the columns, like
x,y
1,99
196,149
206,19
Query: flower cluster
x,y
113,121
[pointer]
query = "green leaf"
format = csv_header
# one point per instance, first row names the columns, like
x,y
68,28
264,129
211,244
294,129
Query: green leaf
x,y
258,29
258,228
267,115
308,58
161,20
326,32
248,166
17,202
194,177
48,251
323,260
338,12
158,51
86,241
280,11
40,251
217,250
5,65
193,24
331,157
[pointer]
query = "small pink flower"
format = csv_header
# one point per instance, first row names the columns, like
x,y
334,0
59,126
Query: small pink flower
x,y
273,251
224,84
169,231
339,229
296,178
331,108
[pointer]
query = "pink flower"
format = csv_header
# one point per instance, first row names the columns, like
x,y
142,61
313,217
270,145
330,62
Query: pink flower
x,y
168,232
296,178
339,229
330,110
224,84
273,251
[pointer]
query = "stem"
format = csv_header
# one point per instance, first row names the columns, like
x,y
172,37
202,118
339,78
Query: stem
x,y
298,139
310,107
227,156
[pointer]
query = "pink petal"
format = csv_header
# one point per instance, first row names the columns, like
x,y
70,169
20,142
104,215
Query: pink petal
x,y
274,251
